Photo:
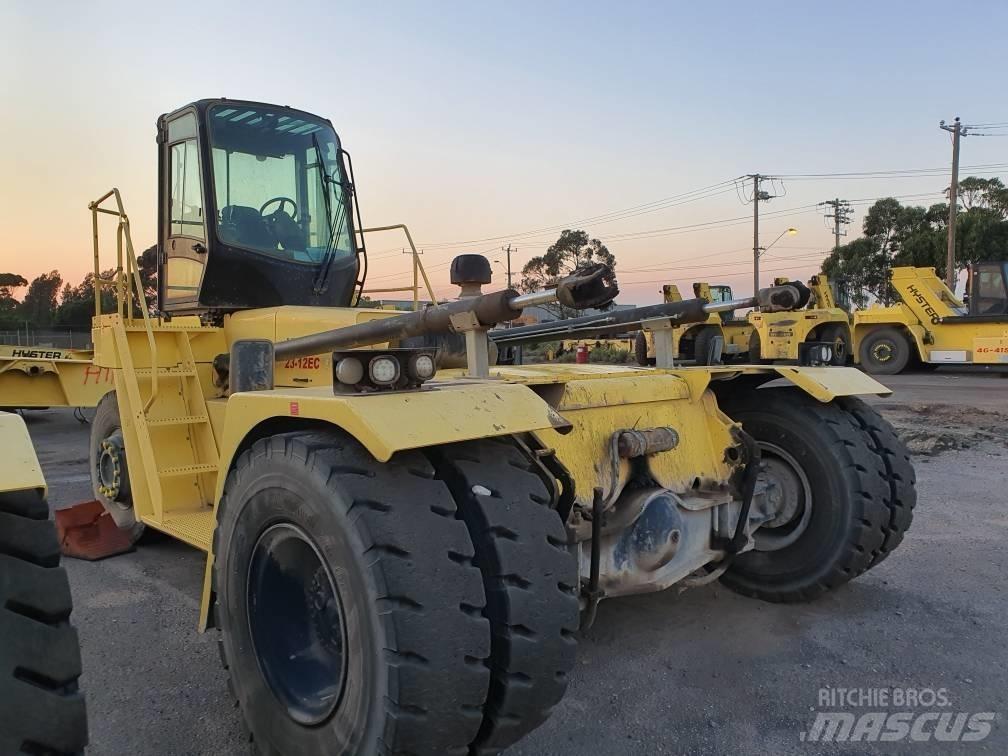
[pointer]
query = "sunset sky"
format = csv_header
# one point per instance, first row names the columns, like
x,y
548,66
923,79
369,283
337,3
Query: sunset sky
x,y
479,124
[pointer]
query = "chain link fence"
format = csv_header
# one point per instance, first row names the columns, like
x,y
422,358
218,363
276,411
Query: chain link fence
x,y
58,338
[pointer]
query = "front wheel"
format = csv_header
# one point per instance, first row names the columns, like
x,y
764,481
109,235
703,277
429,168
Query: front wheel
x,y
840,487
641,350
885,351
351,612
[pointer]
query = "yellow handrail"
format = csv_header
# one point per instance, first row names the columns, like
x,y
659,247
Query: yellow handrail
x,y
418,268
122,281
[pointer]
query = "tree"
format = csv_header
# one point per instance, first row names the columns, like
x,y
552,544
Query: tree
x,y
76,306
895,235
39,305
147,265
571,251
8,304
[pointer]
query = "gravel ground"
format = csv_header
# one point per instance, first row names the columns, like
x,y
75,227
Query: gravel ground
x,y
699,672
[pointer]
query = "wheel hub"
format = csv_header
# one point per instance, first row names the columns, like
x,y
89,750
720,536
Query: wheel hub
x,y
882,351
296,623
110,465
787,498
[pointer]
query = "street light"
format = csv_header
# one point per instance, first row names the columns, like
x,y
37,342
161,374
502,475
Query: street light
x,y
760,251
785,232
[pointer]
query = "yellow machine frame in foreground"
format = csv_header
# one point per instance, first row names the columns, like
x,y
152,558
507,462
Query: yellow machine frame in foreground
x,y
183,430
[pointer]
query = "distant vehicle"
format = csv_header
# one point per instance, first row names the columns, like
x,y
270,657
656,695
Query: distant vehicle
x,y
931,326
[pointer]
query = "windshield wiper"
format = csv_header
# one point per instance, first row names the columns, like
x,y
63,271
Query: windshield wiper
x,y
335,222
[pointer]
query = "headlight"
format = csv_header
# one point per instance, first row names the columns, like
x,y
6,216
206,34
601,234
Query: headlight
x,y
384,371
422,367
349,370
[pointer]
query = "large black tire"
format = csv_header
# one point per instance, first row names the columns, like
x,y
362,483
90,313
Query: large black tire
x,y
110,481
391,574
755,354
641,350
837,335
846,454
885,351
40,664
900,473
702,345
530,578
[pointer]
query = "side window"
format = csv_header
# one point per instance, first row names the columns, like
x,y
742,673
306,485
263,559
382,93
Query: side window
x,y
186,202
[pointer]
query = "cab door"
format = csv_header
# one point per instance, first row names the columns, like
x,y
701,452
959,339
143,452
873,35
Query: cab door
x,y
989,295
183,227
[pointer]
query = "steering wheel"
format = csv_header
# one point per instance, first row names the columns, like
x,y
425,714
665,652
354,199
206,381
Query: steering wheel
x,y
283,202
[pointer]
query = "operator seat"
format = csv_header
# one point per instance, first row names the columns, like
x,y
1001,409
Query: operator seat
x,y
244,227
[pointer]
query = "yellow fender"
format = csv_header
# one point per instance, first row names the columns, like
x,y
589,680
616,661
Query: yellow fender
x,y
387,422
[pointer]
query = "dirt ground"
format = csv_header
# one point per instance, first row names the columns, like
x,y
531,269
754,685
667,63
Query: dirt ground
x,y
699,672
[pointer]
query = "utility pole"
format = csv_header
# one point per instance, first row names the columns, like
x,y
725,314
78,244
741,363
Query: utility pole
x,y
508,251
958,130
758,195
840,215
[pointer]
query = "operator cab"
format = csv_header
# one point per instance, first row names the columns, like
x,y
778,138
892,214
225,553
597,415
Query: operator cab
x,y
255,210
988,289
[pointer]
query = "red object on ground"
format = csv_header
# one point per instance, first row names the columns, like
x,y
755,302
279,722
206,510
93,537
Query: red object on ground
x,y
86,531
581,354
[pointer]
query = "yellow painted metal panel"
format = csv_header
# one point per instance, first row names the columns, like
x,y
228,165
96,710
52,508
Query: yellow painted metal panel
x,y
19,467
827,383
47,377
991,350
388,422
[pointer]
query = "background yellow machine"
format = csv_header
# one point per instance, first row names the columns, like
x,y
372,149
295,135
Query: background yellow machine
x,y
37,377
43,709
819,319
761,336
398,559
930,325
695,341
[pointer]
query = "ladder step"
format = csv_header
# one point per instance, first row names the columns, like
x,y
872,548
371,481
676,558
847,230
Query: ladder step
x,y
171,472
172,372
181,420
195,527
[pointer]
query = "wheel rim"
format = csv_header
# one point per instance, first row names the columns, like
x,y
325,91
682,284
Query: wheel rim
x,y
789,494
296,623
840,348
109,465
882,351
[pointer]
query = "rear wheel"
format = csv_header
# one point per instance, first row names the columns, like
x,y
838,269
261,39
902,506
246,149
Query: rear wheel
x,y
837,335
351,613
703,346
109,473
885,351
43,709
530,579
829,467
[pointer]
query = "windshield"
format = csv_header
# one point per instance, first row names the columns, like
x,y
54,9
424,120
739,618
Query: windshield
x,y
272,196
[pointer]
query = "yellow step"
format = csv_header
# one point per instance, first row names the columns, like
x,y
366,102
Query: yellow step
x,y
195,528
172,472
180,420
